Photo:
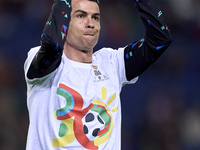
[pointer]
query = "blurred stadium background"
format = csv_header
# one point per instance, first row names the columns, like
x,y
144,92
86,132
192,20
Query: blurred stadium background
x,y
160,112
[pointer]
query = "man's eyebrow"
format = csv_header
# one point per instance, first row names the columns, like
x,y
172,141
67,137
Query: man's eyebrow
x,y
84,12
96,14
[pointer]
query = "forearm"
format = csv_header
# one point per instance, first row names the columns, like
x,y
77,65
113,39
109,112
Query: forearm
x,y
52,41
157,32
141,54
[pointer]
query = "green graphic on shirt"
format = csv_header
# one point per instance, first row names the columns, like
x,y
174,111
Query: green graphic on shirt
x,y
63,130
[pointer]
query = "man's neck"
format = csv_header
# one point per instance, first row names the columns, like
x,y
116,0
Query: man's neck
x,y
77,55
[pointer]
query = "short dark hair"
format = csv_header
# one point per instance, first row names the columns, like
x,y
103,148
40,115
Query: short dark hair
x,y
97,1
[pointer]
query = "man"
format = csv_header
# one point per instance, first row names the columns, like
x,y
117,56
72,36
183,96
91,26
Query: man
x,y
73,94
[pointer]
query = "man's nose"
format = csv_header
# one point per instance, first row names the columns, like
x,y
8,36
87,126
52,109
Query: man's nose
x,y
90,23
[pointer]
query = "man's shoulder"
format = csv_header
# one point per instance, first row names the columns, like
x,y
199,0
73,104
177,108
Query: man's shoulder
x,y
104,51
109,52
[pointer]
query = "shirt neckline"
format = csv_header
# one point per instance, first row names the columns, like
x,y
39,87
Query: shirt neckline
x,y
77,64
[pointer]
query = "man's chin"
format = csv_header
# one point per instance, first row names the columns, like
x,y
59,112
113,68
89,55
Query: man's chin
x,y
89,46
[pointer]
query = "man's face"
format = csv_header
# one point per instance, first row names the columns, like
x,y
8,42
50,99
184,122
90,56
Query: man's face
x,y
84,27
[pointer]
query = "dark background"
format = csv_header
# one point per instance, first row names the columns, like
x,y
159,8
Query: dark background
x,y
160,112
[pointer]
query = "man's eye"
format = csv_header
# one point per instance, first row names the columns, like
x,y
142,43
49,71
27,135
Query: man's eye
x,y
79,16
96,18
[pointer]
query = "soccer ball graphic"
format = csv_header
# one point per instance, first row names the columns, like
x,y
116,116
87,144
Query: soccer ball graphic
x,y
92,123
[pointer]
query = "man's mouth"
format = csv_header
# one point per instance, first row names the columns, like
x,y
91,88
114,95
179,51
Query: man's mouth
x,y
89,34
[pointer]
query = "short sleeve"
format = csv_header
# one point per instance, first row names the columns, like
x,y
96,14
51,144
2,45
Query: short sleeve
x,y
122,71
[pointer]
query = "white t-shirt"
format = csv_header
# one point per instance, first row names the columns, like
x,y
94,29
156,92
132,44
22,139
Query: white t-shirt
x,y
77,107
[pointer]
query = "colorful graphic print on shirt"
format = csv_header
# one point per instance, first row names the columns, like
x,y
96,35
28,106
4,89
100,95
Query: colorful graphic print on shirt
x,y
91,126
